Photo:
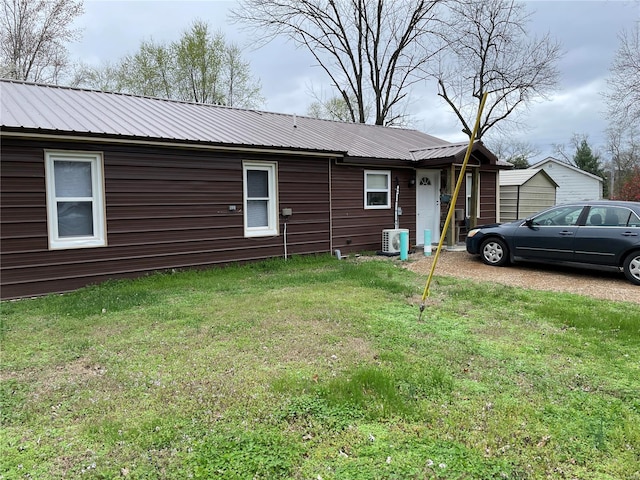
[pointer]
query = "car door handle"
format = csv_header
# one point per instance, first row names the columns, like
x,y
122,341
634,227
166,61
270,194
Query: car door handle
x,y
566,233
629,234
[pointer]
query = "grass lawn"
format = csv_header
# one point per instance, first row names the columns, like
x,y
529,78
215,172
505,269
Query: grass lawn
x,y
315,368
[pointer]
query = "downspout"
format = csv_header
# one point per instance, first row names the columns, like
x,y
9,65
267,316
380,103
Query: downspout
x,y
396,219
330,211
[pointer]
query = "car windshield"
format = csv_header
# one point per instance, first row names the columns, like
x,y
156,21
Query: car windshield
x,y
564,216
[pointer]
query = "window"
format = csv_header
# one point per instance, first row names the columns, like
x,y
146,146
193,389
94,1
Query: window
x,y
634,220
565,216
468,187
260,204
608,216
377,189
596,216
75,199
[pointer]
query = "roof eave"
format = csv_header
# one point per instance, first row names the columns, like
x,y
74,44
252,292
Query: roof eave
x,y
375,162
481,152
11,132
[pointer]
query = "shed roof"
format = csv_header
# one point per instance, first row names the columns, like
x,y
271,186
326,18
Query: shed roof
x,y
54,109
520,177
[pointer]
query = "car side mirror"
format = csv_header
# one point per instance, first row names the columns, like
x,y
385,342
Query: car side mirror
x,y
528,222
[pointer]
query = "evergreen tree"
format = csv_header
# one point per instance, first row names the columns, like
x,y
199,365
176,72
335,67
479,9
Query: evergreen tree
x,y
519,162
586,160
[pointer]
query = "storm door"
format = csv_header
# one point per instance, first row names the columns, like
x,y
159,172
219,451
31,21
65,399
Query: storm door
x,y
427,205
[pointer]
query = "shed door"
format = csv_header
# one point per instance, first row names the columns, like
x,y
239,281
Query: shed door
x,y
427,205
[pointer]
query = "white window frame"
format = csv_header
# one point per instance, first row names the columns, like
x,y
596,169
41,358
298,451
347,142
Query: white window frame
x,y
467,201
99,237
377,190
272,227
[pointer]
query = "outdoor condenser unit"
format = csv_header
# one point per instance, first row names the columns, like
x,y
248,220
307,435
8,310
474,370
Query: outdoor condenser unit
x,y
391,239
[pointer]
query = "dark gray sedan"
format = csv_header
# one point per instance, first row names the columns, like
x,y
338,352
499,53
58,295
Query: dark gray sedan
x,y
600,234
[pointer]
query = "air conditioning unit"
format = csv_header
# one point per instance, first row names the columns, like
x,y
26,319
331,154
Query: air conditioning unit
x,y
391,240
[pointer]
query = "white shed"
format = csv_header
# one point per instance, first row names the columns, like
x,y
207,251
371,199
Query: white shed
x,y
574,185
525,192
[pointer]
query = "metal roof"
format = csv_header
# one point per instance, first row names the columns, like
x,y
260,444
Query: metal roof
x,y
550,160
47,109
456,152
520,177
440,151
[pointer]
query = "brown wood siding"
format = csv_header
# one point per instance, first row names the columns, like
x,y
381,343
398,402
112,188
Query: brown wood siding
x,y
164,209
488,197
356,229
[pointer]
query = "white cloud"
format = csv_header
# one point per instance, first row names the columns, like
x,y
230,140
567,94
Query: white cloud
x,y
587,29
578,110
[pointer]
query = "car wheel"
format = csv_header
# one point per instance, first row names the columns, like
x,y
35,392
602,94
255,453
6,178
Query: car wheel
x,y
631,267
494,252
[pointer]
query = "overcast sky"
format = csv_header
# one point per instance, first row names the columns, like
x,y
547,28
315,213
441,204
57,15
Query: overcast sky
x,y
587,30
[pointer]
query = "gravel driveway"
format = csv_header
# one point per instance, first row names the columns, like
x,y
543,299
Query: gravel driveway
x,y
592,283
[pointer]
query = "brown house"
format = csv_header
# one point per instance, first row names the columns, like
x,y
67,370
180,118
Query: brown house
x,y
100,185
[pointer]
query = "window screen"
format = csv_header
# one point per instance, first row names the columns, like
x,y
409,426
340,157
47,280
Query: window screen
x,y
377,188
75,199
260,204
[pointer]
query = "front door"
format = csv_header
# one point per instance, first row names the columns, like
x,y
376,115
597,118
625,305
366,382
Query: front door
x,y
427,205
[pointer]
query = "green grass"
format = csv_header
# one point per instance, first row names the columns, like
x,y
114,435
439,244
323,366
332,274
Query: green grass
x,y
314,368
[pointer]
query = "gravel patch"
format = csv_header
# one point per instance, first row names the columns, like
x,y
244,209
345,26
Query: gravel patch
x,y
591,283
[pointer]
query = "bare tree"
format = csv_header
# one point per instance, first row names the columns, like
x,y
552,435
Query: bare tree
x,y
623,148
33,38
242,89
489,50
370,49
334,108
517,152
623,96
567,153
623,105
